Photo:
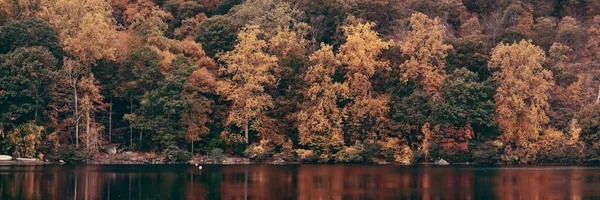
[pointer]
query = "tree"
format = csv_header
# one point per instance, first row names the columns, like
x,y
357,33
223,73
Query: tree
x,y
164,106
24,139
29,33
522,96
465,103
144,76
426,53
25,78
73,72
199,89
593,44
471,28
250,70
571,33
360,58
544,32
320,120
86,28
91,102
290,48
450,11
217,34
19,9
146,19
471,53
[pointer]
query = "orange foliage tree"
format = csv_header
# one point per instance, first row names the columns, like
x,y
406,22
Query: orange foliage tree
x,y
522,96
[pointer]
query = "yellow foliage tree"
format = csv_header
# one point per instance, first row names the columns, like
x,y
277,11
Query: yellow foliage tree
x,y
320,120
522,94
86,28
146,19
426,53
250,69
360,56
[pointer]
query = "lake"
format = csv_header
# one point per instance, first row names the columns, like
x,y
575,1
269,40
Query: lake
x,y
260,181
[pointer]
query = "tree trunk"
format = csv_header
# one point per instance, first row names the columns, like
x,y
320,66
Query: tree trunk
x,y
110,121
87,130
246,131
140,140
192,147
130,125
76,114
598,97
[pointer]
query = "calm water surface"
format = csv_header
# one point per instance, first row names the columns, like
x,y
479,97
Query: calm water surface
x,y
297,182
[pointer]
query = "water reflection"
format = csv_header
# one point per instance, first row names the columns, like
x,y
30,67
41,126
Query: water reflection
x,y
296,182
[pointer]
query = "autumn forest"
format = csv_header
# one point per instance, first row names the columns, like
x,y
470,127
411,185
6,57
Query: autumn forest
x,y
323,81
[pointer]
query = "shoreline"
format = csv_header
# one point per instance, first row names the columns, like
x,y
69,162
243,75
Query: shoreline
x,y
143,158
24,163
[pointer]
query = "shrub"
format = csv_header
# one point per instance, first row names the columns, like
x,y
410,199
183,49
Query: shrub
x,y
259,152
24,139
306,155
235,142
396,150
486,152
555,147
388,155
216,155
351,154
370,150
70,154
454,155
174,154
216,143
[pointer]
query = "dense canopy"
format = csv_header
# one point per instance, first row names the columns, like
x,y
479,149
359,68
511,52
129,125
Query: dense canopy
x,y
513,81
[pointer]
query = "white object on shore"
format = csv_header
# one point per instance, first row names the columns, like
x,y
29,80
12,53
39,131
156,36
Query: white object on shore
x,y
27,159
61,161
196,164
441,162
200,167
5,158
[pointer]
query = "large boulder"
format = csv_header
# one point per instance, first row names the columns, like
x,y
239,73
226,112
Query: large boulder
x,y
112,150
441,162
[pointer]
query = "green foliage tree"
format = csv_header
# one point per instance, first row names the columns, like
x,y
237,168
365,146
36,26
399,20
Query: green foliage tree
x,y
26,76
29,33
465,101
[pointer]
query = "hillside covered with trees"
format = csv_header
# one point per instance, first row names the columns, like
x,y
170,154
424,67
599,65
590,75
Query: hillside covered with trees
x,y
484,81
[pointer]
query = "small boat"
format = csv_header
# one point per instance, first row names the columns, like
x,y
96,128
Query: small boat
x,y
5,158
27,159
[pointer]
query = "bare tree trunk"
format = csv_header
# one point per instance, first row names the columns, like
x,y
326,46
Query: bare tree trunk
x,y
246,131
110,121
76,114
598,97
73,75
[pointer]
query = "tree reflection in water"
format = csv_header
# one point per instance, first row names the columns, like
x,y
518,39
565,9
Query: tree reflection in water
x,y
296,182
